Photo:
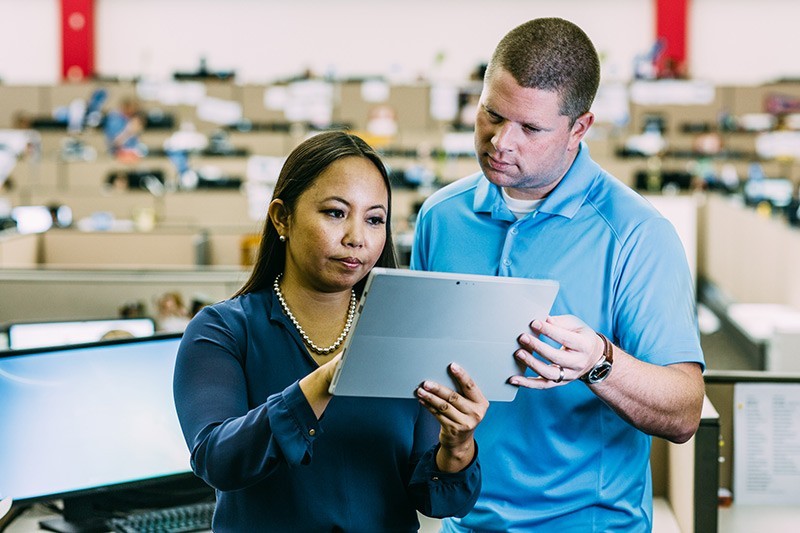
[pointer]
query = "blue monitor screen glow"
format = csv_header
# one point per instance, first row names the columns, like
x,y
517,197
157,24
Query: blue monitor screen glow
x,y
37,334
86,418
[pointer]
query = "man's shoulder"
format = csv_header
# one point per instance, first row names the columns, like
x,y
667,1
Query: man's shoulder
x,y
621,207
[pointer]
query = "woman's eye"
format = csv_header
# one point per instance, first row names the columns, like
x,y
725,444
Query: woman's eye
x,y
376,221
335,213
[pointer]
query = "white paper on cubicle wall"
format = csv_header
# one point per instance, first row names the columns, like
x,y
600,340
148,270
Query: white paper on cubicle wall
x,y
766,462
411,325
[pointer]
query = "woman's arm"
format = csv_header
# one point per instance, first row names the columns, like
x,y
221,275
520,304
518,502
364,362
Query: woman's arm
x,y
233,446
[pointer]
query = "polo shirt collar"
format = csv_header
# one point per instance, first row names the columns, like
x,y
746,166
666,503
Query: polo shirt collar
x,y
565,200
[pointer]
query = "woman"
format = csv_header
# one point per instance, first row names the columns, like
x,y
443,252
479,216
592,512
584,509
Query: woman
x,y
252,377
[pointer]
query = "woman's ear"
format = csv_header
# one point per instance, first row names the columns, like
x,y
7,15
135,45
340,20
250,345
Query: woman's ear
x,y
279,216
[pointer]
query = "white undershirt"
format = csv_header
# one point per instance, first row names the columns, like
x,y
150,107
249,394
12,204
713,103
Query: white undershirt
x,y
520,208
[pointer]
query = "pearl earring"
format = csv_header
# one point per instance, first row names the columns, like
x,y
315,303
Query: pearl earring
x,y
282,238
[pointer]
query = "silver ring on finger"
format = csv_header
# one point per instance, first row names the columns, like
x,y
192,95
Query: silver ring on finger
x,y
560,373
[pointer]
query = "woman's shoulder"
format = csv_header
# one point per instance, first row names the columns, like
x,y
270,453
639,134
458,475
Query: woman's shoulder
x,y
235,312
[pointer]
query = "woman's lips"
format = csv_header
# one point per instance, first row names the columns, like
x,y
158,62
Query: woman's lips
x,y
350,262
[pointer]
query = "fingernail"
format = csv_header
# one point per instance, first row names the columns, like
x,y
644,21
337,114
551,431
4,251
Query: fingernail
x,y
519,354
525,338
536,324
455,367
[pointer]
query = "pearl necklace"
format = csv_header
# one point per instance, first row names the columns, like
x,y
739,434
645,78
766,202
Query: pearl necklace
x,y
351,311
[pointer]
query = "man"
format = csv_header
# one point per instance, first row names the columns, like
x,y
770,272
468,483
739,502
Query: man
x,y
122,129
619,359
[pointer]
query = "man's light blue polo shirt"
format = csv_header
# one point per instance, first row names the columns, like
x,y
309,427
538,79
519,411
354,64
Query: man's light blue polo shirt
x,y
561,459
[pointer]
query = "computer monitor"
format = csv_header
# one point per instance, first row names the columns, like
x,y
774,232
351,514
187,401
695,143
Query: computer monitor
x,y
56,333
81,422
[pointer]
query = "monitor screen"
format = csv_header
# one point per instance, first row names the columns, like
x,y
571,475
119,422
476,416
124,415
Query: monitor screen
x,y
89,418
56,333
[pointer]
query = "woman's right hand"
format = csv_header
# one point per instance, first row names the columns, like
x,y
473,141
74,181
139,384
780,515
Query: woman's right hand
x,y
458,414
315,385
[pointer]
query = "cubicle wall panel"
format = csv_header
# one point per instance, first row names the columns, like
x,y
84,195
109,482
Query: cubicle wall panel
x,y
262,142
412,105
64,93
37,174
99,249
54,295
351,107
746,253
234,167
55,141
254,108
227,250
154,139
675,116
19,251
753,98
121,206
96,173
208,209
224,90
21,102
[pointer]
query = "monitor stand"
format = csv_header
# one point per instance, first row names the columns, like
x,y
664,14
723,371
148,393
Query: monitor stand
x,y
79,516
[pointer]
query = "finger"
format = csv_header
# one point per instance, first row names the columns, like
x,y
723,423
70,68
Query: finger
x,y
440,391
469,389
529,382
533,344
444,411
553,372
568,337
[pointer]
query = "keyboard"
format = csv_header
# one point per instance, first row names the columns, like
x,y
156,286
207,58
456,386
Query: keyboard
x,y
180,519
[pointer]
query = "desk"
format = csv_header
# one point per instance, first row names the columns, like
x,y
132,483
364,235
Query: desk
x,y
760,323
748,518
28,521
663,520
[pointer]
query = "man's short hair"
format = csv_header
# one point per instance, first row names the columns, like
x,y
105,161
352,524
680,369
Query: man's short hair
x,y
551,54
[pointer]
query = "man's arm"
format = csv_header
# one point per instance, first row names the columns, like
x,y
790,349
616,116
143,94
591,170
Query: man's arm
x,y
665,401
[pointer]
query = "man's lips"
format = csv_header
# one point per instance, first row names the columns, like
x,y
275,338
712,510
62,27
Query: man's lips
x,y
497,164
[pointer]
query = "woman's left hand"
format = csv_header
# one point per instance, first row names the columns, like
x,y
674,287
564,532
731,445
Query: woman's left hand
x,y
458,413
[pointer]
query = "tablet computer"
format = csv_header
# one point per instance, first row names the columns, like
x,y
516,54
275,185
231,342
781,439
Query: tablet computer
x,y
410,325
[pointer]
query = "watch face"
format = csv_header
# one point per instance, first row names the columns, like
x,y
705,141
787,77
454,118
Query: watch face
x,y
600,372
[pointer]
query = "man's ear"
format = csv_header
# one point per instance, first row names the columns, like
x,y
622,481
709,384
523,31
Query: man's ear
x,y
579,129
279,216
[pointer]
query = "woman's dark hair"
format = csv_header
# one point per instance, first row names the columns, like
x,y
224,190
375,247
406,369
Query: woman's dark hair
x,y
299,172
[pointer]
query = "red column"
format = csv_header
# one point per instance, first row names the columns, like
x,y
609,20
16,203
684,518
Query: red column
x,y
671,28
77,39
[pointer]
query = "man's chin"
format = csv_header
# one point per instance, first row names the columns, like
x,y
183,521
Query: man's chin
x,y
497,178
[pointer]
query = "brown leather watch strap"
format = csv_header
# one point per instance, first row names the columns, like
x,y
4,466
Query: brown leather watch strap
x,y
608,348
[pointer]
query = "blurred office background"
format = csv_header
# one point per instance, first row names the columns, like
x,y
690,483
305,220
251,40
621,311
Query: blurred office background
x,y
709,132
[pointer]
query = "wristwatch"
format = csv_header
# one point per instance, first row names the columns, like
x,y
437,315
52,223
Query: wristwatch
x,y
602,368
